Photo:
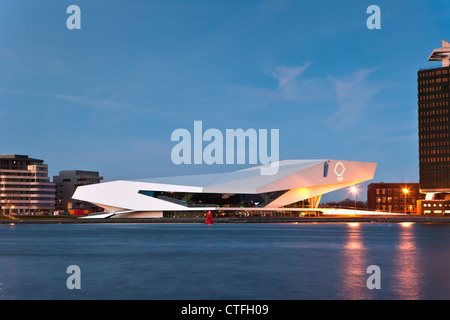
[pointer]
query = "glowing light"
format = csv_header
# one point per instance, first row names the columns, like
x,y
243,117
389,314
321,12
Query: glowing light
x,y
353,189
406,224
429,196
405,190
353,224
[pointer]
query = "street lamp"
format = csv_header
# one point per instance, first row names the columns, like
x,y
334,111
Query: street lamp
x,y
354,190
405,192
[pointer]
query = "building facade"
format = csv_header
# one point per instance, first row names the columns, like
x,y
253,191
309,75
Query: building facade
x,y
434,126
394,197
25,187
433,85
295,189
66,183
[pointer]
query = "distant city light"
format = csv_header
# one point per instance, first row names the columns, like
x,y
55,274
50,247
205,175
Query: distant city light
x,y
406,224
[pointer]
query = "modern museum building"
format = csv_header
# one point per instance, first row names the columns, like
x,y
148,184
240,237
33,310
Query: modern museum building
x,y
295,189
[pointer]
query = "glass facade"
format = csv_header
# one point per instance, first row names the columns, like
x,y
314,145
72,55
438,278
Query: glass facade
x,y
222,200
239,213
234,201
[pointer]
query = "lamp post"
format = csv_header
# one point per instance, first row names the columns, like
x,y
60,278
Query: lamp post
x,y
405,192
354,190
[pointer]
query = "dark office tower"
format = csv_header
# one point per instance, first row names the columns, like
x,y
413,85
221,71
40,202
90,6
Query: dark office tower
x,y
434,125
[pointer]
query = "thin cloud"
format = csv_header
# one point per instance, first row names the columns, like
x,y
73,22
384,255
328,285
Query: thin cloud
x,y
287,76
98,105
353,95
292,87
32,64
345,99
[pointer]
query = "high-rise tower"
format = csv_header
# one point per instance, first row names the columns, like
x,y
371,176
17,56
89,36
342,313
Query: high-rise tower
x,y
434,126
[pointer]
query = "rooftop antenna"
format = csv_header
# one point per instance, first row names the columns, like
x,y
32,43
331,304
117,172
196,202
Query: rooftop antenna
x,y
442,54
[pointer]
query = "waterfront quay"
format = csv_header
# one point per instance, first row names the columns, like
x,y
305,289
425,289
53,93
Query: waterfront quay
x,y
347,219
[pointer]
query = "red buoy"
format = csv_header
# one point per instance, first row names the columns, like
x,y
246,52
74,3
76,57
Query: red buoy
x,y
209,219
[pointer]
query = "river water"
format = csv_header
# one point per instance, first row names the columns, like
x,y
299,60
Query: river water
x,y
225,261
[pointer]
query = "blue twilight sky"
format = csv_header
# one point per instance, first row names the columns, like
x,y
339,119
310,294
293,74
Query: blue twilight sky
x,y
108,97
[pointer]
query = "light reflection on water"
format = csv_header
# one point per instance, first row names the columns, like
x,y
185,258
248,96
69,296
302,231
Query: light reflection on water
x,y
354,264
225,261
407,278
399,256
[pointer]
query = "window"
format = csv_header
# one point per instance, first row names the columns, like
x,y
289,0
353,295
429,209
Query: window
x,y
325,169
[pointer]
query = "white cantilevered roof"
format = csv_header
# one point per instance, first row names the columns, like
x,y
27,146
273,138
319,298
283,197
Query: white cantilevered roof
x,y
307,177
246,180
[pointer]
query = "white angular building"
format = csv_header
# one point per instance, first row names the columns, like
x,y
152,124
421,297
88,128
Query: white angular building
x,y
296,187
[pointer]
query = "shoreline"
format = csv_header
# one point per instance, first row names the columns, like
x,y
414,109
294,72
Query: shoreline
x,y
365,219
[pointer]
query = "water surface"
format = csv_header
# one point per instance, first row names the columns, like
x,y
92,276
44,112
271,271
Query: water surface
x,y
225,261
